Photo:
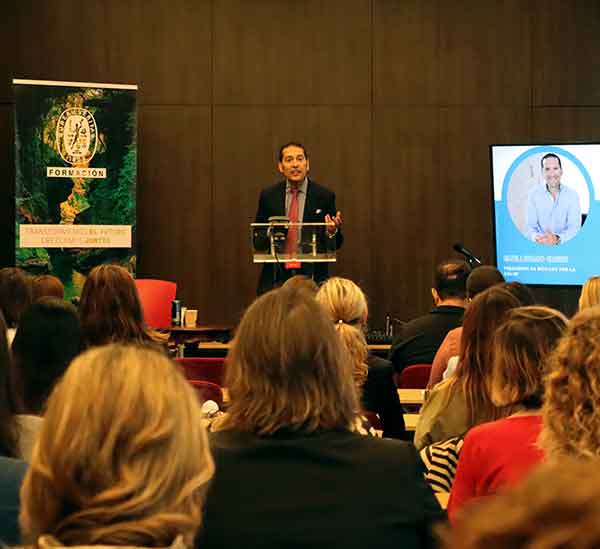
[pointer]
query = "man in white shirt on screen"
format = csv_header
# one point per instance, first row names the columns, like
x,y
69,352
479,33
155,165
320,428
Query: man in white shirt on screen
x,y
553,209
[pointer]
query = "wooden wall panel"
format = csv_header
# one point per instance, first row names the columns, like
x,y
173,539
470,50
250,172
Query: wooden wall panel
x,y
465,173
63,40
337,139
342,161
244,149
8,42
406,219
165,46
175,211
485,53
7,188
566,53
556,124
304,52
406,52
162,46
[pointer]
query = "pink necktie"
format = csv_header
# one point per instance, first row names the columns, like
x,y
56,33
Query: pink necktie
x,y
292,235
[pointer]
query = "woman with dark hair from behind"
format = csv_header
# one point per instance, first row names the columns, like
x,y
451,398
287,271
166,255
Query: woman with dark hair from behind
x,y
463,400
47,339
346,305
500,453
48,286
110,310
16,295
11,468
480,279
286,454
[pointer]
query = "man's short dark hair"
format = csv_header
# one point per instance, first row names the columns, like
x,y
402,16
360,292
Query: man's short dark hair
x,y
451,278
550,155
482,278
292,144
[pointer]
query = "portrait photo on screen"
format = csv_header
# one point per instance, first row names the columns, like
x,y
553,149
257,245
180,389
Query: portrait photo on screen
x,y
545,211
532,207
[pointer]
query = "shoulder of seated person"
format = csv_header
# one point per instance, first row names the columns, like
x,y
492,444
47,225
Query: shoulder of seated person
x,y
443,385
439,388
379,365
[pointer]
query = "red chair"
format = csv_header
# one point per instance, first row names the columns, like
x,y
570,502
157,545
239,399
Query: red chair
x,y
203,369
205,390
156,296
415,376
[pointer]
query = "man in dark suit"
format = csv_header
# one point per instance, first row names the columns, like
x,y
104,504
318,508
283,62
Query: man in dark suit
x,y
297,197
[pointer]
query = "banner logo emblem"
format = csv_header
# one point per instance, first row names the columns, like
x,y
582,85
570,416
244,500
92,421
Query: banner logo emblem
x,y
76,136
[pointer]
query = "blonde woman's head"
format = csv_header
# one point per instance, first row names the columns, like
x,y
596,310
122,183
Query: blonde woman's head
x,y
122,457
346,305
590,293
571,410
287,369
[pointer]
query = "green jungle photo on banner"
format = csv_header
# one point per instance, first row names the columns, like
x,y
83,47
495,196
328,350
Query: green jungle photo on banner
x,y
76,171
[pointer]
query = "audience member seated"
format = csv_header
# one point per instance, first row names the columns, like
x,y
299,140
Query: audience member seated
x,y
590,293
455,405
15,296
480,279
502,452
48,286
11,469
556,507
418,340
47,339
525,297
110,310
289,470
346,305
571,410
122,458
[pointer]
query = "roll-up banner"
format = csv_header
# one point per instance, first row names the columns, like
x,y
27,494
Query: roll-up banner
x,y
76,170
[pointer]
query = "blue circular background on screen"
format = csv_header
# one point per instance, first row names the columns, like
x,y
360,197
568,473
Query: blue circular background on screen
x,y
544,149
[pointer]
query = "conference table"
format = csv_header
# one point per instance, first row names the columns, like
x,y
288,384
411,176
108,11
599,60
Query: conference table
x,y
411,396
200,333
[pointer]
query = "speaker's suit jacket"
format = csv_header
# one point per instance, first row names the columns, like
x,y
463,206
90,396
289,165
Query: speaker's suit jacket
x,y
319,202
